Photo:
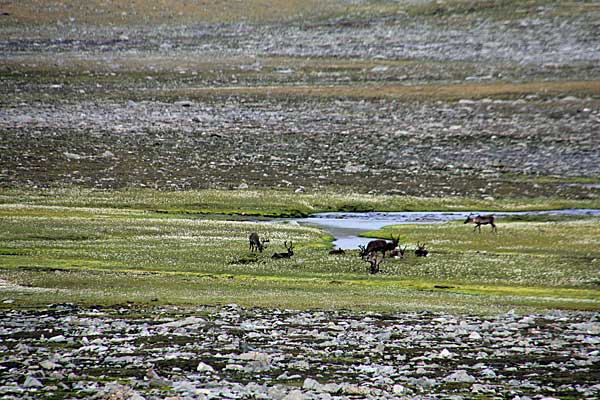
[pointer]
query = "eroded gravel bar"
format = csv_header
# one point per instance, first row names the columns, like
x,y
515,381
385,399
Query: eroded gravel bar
x,y
233,352
462,148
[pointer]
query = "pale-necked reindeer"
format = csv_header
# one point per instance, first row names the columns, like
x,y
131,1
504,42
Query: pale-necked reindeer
x,y
482,220
398,252
375,259
381,245
288,254
256,243
421,251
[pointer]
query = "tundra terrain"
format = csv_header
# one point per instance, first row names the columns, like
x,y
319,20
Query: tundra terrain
x,y
127,130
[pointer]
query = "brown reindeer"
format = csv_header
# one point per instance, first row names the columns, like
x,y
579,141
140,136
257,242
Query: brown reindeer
x,y
482,220
381,245
288,254
375,259
256,243
421,251
339,252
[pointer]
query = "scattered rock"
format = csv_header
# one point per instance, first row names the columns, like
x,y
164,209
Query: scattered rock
x,y
202,367
195,321
32,382
156,380
460,376
166,353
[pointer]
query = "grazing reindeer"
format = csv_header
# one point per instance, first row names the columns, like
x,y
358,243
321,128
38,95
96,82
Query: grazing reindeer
x,y
398,252
375,259
421,251
382,245
290,251
256,243
339,252
482,220
362,251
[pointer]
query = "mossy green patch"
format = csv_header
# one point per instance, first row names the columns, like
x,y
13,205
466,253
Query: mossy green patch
x,y
108,248
260,203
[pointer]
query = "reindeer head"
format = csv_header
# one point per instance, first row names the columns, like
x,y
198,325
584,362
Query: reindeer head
x,y
470,218
362,251
398,252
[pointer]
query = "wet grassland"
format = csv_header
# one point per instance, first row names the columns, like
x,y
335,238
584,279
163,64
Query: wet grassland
x,y
107,247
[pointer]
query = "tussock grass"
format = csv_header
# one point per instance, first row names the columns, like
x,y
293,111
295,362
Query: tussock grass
x,y
501,9
103,13
271,203
174,12
430,92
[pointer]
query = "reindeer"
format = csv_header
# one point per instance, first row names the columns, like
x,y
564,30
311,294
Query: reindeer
x,y
398,252
290,251
482,220
339,252
381,245
362,251
421,251
375,259
256,243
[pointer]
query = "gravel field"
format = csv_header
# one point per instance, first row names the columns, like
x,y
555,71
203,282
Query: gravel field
x,y
470,148
115,107
233,353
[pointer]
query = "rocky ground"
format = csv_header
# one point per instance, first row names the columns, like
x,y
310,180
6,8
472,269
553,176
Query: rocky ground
x,y
231,352
473,148
115,107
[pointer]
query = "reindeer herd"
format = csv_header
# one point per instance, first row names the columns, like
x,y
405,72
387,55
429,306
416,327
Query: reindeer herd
x,y
257,244
374,251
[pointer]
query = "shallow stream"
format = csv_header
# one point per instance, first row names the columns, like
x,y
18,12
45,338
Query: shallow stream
x,y
347,226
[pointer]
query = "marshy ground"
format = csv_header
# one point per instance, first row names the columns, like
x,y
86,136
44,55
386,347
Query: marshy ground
x,y
125,129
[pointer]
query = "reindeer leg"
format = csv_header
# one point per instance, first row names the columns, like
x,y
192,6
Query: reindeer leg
x,y
374,268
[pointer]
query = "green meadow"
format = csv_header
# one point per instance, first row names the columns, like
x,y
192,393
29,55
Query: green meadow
x,y
178,248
